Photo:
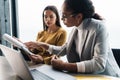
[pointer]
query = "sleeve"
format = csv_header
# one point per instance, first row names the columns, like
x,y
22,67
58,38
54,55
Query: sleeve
x,y
80,67
100,51
61,38
99,55
58,50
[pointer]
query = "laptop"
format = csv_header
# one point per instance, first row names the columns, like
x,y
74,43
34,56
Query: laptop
x,y
20,67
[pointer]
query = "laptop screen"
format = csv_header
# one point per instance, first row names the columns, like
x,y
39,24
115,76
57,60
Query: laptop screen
x,y
17,63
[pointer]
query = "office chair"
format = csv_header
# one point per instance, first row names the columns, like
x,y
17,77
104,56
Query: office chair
x,y
116,53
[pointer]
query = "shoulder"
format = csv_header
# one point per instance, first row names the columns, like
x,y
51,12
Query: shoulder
x,y
98,23
61,30
41,32
93,24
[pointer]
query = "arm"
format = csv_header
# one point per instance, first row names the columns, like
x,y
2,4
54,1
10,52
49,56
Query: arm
x,y
99,52
60,65
51,48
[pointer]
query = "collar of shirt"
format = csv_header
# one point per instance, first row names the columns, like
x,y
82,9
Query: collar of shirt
x,y
80,27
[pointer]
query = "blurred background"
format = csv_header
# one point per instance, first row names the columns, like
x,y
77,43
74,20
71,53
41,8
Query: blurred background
x,y
30,17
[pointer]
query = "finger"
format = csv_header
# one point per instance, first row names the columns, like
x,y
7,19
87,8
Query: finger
x,y
53,57
56,57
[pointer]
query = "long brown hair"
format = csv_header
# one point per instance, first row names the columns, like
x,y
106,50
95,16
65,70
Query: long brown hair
x,y
54,9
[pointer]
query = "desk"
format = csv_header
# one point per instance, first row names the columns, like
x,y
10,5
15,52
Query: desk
x,y
95,77
6,73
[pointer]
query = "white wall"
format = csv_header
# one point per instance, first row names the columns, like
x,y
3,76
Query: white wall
x,y
30,20
109,9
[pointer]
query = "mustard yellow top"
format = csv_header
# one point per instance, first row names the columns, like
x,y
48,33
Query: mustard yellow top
x,y
57,38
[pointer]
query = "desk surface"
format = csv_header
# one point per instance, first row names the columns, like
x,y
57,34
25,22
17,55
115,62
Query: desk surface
x,y
95,77
6,73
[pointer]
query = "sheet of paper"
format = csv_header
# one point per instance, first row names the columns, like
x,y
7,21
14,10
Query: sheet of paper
x,y
16,43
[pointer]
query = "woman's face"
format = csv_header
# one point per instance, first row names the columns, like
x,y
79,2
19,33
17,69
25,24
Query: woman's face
x,y
49,18
69,19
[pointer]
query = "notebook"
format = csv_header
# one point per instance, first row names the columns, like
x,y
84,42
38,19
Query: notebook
x,y
20,67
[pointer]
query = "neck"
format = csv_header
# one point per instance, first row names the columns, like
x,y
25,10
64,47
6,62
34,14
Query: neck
x,y
53,29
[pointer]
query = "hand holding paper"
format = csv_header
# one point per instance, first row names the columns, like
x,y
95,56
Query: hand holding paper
x,y
17,43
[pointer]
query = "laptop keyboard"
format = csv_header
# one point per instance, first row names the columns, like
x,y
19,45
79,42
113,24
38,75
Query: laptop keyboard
x,y
39,75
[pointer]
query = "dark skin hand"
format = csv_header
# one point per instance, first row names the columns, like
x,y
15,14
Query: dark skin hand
x,y
55,61
36,45
60,65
